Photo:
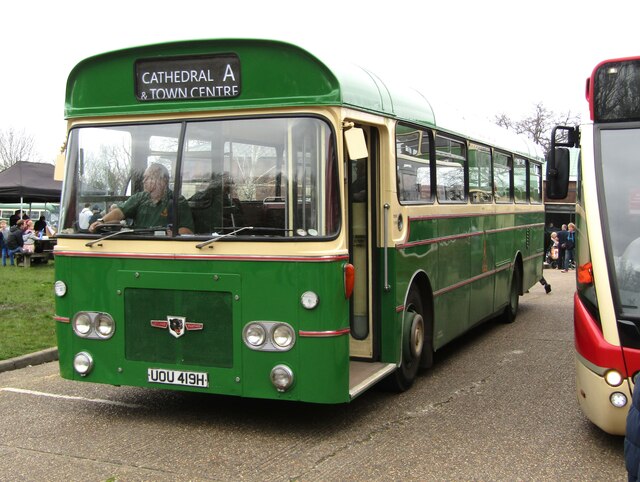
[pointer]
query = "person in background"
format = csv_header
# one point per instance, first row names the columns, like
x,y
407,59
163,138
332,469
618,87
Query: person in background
x,y
40,225
562,239
96,214
15,241
569,245
84,217
29,237
13,219
4,237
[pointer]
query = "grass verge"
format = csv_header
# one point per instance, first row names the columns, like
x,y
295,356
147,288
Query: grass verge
x,y
27,306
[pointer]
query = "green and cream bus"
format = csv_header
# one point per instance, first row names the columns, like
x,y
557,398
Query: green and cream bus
x,y
343,230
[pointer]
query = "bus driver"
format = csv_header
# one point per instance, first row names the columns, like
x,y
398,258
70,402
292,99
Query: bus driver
x,y
151,207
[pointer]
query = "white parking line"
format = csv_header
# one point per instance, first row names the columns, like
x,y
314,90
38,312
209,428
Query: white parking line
x,y
68,397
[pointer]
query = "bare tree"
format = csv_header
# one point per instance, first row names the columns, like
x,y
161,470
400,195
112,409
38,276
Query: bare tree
x,y
16,146
538,125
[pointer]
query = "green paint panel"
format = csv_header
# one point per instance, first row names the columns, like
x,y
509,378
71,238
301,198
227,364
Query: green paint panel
x,y
210,346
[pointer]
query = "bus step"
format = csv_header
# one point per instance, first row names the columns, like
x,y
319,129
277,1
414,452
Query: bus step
x,y
363,375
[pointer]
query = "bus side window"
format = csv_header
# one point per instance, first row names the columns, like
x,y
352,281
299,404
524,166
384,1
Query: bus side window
x,y
451,158
502,177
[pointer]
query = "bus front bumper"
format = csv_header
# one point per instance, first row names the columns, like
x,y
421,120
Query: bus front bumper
x,y
594,397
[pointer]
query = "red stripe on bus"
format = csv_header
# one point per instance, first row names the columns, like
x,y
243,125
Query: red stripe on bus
x,y
321,334
590,342
208,257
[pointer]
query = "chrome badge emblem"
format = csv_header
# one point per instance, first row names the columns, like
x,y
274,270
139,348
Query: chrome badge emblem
x,y
177,325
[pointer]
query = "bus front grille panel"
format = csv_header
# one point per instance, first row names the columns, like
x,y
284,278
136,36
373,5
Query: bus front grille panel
x,y
179,327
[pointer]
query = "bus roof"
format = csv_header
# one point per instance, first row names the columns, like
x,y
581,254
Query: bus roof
x,y
273,74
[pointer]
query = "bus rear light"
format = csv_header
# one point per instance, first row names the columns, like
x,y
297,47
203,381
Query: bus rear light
x,y
349,280
618,399
585,274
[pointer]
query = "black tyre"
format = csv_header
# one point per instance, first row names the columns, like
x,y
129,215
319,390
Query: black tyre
x,y
511,310
417,347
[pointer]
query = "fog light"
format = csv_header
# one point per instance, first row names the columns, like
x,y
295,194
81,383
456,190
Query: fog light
x,y
105,326
82,363
254,335
281,377
283,336
60,288
618,399
613,378
82,324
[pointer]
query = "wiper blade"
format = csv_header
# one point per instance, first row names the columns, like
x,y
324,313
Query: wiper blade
x,y
220,236
125,231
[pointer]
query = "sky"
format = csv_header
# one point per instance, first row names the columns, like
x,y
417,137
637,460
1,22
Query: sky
x,y
485,57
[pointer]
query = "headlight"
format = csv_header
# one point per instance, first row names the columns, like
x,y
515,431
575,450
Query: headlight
x,y
105,326
254,335
281,377
82,363
93,325
613,378
282,336
269,336
82,324
60,288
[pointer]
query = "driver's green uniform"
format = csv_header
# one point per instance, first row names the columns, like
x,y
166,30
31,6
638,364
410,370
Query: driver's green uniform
x,y
146,214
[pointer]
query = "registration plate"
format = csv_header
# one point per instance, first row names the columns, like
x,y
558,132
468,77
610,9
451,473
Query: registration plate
x,y
177,377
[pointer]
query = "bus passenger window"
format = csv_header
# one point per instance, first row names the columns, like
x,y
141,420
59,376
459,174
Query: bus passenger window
x,y
480,188
413,167
450,164
502,177
520,180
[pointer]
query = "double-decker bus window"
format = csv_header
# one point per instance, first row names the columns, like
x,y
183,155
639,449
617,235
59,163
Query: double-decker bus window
x,y
502,177
450,165
413,165
520,180
535,183
480,189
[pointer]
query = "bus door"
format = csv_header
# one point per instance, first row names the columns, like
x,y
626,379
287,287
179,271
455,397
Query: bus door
x,y
362,196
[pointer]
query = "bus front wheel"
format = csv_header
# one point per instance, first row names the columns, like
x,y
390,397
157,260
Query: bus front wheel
x,y
415,339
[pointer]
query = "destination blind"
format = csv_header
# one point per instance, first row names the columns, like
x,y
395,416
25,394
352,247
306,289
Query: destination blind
x,y
202,77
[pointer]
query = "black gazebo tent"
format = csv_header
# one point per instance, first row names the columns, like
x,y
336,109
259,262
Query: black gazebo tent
x,y
28,182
